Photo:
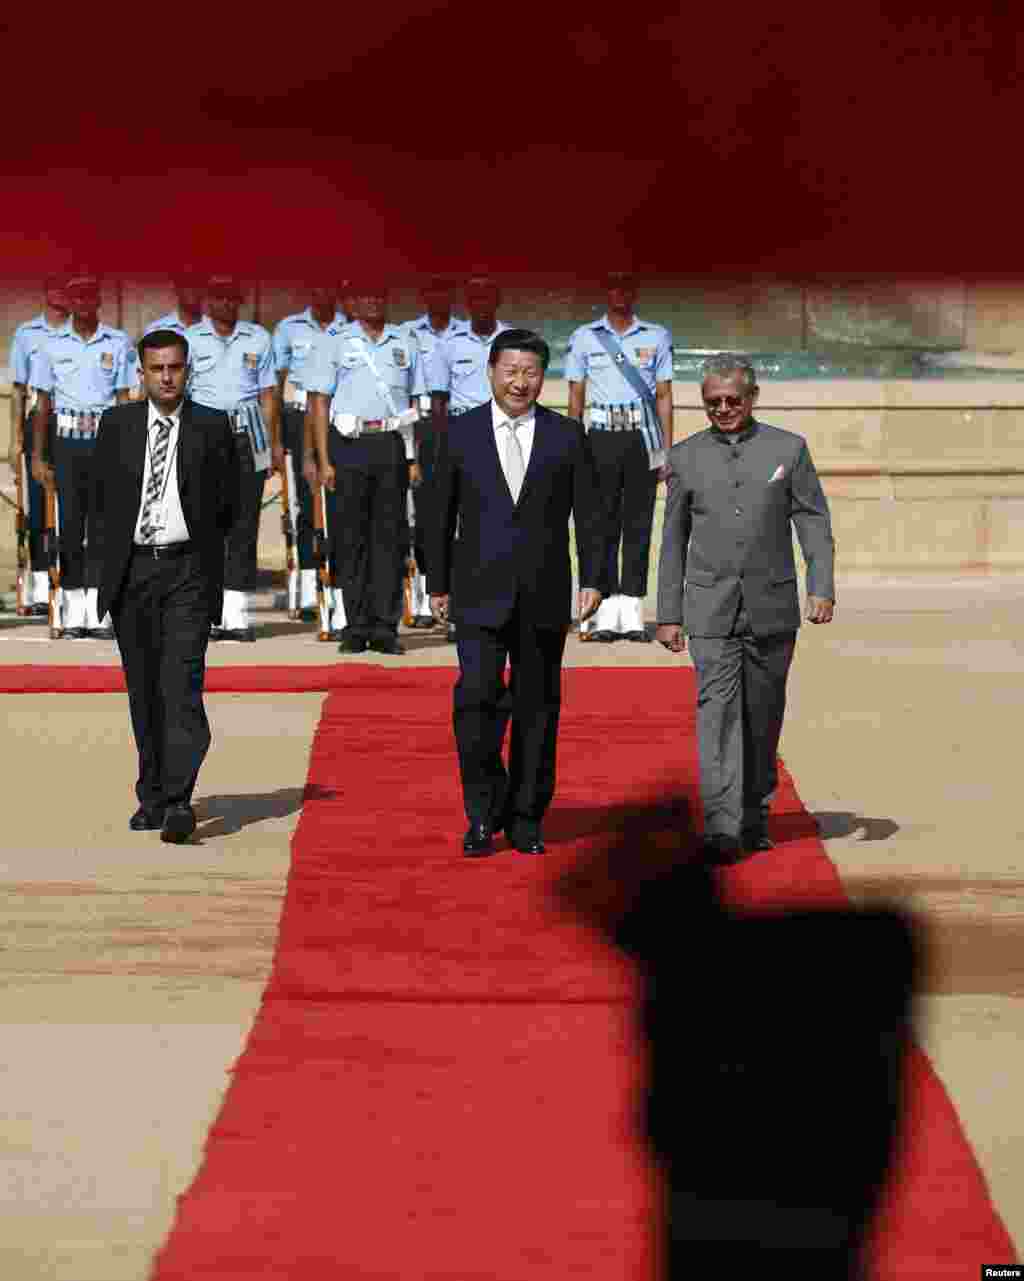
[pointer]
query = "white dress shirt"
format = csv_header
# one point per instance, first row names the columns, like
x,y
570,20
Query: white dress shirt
x,y
174,529
502,432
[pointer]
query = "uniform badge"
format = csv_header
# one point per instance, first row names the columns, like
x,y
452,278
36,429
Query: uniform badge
x,y
643,355
107,361
251,360
401,359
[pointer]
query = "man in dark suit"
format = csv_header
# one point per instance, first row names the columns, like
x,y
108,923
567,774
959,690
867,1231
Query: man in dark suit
x,y
735,494
165,494
509,474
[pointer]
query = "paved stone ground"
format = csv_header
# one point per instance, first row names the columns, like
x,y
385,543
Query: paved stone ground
x,y
130,974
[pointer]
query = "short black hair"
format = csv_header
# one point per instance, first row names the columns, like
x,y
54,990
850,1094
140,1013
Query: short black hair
x,y
159,339
520,340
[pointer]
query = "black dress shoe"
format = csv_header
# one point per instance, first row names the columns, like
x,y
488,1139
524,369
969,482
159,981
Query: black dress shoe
x,y
478,841
387,645
640,637
722,851
101,633
144,820
179,824
526,838
604,636
352,645
75,633
238,634
216,633
38,611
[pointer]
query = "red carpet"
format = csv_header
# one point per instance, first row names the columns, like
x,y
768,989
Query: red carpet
x,y
54,679
440,1082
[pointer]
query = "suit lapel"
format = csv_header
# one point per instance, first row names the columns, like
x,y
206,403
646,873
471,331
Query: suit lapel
x,y
188,440
490,452
538,453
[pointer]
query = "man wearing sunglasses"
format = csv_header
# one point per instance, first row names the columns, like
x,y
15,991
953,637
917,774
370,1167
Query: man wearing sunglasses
x,y
735,493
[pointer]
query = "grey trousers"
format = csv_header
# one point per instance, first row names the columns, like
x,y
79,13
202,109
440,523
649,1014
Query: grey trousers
x,y
741,700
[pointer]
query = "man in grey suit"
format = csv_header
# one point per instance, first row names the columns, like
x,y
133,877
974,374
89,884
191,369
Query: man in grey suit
x,y
727,573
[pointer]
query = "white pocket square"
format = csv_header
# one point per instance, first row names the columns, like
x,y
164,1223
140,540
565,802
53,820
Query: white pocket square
x,y
778,473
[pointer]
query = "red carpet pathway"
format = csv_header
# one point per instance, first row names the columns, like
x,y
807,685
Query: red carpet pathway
x,y
441,1080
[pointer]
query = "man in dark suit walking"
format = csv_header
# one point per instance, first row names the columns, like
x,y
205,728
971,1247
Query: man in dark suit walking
x,y
509,474
735,493
165,495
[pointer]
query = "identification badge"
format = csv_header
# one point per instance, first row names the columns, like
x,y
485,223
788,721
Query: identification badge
x,y
643,355
400,357
107,361
251,361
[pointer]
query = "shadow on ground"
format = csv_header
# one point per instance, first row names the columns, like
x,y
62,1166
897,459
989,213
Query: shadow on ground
x,y
833,823
225,815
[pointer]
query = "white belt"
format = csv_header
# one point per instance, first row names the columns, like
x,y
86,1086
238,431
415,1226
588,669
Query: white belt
x,y
352,425
73,425
297,400
616,417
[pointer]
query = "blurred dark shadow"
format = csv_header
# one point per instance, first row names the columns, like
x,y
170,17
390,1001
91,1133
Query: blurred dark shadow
x,y
833,823
775,1052
227,814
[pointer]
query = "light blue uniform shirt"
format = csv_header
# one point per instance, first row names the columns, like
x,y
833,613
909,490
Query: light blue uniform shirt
x,y
426,339
228,371
84,376
340,370
647,346
295,341
459,367
171,321
27,340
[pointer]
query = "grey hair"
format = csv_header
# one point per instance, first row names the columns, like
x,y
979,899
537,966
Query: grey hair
x,y
724,363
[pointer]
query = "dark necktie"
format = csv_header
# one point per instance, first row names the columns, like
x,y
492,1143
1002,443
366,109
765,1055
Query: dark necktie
x,y
158,461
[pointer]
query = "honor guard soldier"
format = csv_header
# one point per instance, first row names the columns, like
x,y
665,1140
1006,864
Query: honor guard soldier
x,y
622,366
233,370
188,290
24,423
83,369
361,425
295,340
437,324
457,372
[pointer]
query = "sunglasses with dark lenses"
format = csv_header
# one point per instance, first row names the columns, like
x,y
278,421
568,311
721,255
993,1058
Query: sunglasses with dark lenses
x,y
726,402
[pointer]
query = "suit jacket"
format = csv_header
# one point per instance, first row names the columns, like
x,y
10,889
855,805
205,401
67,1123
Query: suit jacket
x,y
207,481
728,530
512,551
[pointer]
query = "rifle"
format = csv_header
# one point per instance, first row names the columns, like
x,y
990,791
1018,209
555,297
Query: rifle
x,y
21,529
320,557
289,516
51,541
409,581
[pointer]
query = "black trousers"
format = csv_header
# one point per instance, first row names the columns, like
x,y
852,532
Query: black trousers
x,y
370,532
292,428
35,502
628,485
240,544
425,458
162,623
483,706
79,565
